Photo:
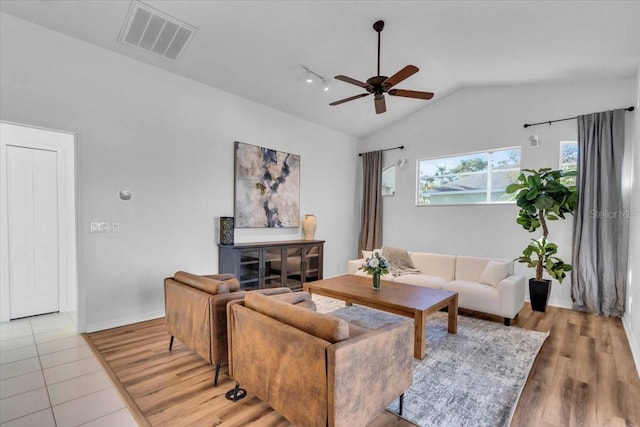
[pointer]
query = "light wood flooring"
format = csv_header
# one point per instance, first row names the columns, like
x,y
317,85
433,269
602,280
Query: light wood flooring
x,y
163,388
584,375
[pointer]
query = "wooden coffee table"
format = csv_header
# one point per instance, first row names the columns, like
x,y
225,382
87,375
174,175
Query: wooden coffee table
x,y
415,302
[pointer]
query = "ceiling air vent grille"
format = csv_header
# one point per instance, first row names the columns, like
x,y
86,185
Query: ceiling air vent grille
x,y
149,29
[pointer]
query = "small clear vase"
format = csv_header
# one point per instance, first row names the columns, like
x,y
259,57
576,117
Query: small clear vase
x,y
376,281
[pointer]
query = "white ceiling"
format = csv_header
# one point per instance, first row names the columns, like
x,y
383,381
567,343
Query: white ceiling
x,y
254,49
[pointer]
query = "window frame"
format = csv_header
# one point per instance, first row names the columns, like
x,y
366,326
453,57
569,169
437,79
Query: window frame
x,y
488,172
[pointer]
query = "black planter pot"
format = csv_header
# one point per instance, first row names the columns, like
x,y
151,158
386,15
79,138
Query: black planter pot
x,y
539,291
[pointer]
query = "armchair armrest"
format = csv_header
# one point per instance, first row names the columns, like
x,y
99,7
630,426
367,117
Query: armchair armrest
x,y
368,372
353,265
187,314
301,299
511,292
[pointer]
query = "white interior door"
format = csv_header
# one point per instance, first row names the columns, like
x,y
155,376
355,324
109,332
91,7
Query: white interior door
x,y
33,232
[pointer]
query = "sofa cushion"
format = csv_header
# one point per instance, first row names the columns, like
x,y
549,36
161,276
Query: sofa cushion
x,y
475,296
424,280
470,268
319,325
495,272
205,284
435,264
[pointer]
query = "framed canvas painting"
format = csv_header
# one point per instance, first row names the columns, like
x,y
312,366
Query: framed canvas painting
x,y
267,188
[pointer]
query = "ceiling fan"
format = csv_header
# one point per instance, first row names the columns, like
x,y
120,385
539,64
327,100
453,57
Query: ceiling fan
x,y
379,85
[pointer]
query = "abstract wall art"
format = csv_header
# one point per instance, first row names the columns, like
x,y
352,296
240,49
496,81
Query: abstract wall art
x,y
267,187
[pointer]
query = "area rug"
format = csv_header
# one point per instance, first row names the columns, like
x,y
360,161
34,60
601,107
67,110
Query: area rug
x,y
472,378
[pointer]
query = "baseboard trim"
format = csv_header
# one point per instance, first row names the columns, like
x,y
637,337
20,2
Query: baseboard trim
x,y
556,303
101,326
633,342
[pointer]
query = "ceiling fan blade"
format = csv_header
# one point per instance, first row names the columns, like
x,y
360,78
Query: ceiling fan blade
x,y
352,81
411,93
381,105
351,98
405,73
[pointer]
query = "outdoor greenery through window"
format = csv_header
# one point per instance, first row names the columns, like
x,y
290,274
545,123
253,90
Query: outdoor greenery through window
x,y
468,178
569,160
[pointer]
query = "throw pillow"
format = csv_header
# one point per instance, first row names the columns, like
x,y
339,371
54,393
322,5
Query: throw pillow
x,y
367,254
495,272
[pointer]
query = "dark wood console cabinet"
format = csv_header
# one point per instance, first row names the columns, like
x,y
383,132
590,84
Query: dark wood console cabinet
x,y
273,264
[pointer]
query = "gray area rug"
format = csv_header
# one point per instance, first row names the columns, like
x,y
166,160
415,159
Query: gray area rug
x,y
472,378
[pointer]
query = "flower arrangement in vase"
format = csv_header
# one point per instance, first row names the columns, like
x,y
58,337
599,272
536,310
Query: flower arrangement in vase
x,y
376,265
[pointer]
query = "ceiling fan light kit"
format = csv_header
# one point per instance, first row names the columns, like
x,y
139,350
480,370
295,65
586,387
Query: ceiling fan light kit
x,y
379,85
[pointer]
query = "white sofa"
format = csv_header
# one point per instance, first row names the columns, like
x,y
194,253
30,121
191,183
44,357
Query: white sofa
x,y
490,289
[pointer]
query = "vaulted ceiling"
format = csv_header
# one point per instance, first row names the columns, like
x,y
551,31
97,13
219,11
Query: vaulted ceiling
x,y
255,49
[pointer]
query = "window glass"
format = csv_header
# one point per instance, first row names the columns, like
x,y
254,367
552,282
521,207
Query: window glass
x,y
468,178
389,181
569,160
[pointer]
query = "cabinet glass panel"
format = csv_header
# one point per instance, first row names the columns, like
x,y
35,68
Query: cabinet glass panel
x,y
294,268
273,267
312,256
249,269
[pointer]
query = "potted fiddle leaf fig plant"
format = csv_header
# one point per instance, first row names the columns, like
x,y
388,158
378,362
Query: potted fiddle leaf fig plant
x,y
543,195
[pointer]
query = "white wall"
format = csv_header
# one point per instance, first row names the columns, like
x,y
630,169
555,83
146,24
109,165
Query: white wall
x,y
168,140
631,319
475,119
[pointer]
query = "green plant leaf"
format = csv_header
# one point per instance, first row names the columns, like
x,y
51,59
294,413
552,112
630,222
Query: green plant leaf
x,y
544,202
512,188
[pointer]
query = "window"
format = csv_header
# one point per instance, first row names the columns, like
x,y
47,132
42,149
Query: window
x,y
569,160
468,178
389,181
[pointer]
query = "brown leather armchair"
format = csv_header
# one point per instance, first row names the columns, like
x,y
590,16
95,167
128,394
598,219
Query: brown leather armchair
x,y
314,369
195,312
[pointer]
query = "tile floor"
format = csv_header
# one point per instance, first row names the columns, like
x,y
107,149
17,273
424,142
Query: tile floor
x,y
50,377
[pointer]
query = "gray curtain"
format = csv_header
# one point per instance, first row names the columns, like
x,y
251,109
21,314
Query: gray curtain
x,y
371,216
600,237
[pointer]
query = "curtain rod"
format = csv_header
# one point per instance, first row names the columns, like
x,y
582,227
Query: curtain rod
x,y
386,149
526,125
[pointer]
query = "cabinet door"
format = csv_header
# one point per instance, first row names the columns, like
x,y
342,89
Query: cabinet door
x,y
273,268
312,263
249,274
293,269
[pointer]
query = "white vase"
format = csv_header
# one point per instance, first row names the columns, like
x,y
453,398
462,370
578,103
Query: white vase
x,y
309,226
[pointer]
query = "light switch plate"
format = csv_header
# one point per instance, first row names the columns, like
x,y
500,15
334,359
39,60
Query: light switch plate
x,y
99,227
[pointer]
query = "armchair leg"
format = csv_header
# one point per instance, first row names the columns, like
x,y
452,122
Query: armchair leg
x,y
215,378
401,404
171,343
236,394
507,321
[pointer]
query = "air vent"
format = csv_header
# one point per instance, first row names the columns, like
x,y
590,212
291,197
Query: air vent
x,y
150,30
